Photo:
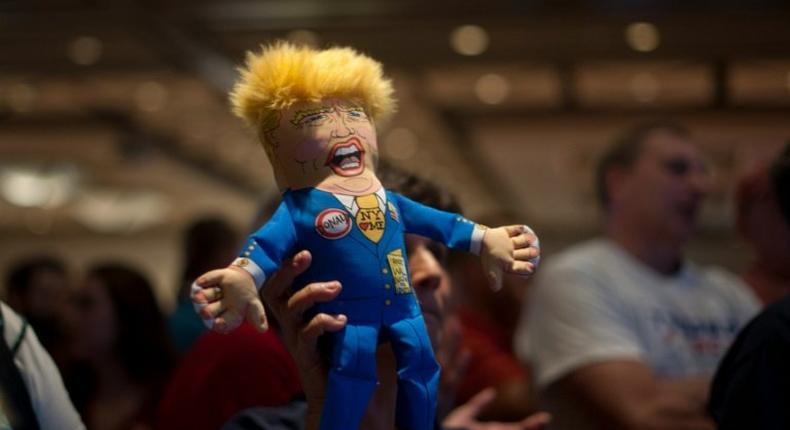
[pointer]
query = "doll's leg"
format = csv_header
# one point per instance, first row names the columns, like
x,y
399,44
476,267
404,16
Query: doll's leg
x,y
352,377
418,374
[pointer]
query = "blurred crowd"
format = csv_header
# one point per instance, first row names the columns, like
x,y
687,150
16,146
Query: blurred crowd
x,y
619,332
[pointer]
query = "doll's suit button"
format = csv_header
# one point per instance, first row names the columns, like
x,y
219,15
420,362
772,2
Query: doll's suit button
x,y
384,271
388,302
387,286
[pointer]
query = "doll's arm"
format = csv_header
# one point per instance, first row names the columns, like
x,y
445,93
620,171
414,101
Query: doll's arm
x,y
510,249
224,297
450,229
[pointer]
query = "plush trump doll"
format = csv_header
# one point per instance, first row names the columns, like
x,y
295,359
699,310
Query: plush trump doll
x,y
315,113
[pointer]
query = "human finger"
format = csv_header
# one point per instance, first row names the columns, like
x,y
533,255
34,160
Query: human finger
x,y
480,400
320,324
277,287
311,294
536,421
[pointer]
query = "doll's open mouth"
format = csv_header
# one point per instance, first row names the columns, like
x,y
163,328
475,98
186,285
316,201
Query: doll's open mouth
x,y
347,159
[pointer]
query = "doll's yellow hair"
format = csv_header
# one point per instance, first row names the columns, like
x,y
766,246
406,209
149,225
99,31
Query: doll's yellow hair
x,y
282,74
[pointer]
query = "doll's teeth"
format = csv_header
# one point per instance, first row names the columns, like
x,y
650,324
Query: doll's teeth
x,y
346,151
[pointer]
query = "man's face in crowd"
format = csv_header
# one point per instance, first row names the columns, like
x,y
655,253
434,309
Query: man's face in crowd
x,y
665,187
430,281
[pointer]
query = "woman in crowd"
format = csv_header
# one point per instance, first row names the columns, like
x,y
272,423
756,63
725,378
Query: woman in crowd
x,y
121,352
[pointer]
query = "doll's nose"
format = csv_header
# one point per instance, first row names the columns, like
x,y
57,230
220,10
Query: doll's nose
x,y
342,129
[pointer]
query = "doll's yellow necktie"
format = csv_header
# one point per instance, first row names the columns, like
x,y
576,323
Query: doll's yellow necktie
x,y
370,218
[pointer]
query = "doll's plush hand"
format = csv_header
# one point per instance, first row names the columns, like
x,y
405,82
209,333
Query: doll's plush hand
x,y
512,249
225,297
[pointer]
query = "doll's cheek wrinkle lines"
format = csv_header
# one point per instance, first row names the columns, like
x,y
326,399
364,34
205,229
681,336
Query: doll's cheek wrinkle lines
x,y
301,163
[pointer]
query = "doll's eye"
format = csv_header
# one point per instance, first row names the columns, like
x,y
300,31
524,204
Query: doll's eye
x,y
357,114
314,119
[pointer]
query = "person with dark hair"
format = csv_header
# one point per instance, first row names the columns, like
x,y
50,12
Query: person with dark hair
x,y
751,388
623,331
36,288
763,224
208,242
122,355
780,175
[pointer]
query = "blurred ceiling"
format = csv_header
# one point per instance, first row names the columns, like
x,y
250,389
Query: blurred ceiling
x,y
504,102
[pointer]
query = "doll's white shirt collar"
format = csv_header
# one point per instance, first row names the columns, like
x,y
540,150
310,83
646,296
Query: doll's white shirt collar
x,y
350,201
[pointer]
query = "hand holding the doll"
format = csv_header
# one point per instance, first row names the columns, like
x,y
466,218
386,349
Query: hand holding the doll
x,y
511,249
225,297
300,334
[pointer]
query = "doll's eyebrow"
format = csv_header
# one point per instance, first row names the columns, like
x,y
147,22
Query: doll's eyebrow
x,y
302,114
352,109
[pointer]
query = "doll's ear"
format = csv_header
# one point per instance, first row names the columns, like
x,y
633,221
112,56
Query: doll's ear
x,y
268,124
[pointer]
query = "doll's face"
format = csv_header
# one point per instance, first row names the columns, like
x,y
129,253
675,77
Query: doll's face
x,y
329,145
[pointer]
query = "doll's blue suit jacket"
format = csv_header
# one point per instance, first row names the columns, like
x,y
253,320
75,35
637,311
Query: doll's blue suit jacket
x,y
317,221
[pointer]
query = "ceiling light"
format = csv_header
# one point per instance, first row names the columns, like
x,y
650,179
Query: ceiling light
x,y
492,89
642,36
85,50
30,187
469,40
120,211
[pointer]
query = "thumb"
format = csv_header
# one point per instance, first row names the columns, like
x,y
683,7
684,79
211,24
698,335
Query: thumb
x,y
256,316
279,284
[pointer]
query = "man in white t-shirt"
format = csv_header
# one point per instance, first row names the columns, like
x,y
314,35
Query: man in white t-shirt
x,y
623,331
